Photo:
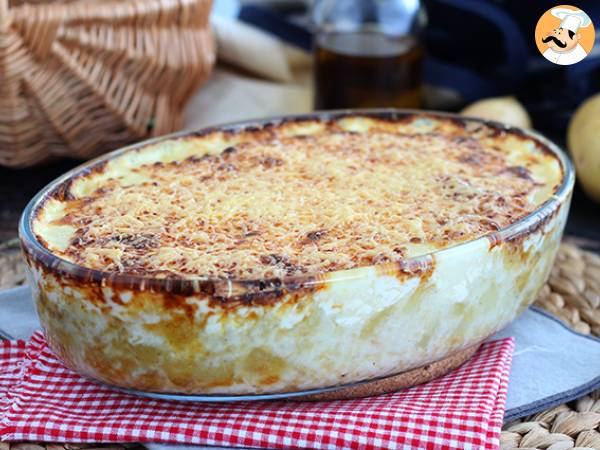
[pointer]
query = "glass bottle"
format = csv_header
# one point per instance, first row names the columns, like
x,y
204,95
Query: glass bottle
x,y
368,53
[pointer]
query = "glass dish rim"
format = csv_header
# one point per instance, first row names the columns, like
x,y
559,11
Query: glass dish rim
x,y
193,284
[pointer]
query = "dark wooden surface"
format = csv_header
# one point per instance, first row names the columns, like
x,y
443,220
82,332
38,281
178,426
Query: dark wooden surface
x,y
18,186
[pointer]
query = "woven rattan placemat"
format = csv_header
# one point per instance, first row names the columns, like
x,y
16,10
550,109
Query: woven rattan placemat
x,y
572,294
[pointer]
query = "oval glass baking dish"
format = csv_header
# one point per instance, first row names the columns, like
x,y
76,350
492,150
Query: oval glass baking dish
x,y
217,338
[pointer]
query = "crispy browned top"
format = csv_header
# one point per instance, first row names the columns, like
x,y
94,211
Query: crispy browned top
x,y
297,199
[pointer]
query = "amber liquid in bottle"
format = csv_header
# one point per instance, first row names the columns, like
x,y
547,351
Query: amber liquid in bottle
x,y
367,70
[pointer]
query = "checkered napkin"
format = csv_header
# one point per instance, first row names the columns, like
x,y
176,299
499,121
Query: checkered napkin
x,y
41,400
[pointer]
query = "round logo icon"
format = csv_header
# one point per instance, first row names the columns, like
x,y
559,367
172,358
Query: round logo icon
x,y
564,35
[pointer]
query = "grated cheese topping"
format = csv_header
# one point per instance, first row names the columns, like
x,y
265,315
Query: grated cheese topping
x,y
299,198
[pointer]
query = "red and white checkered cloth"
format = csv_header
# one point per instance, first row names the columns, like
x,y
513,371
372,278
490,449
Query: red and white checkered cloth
x,y
41,400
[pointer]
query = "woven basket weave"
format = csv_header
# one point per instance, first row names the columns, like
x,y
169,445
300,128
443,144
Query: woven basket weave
x,y
81,77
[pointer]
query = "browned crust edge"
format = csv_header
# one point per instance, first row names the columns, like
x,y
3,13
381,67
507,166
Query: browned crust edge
x,y
233,293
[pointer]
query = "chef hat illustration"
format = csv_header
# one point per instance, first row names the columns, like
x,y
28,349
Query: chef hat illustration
x,y
571,19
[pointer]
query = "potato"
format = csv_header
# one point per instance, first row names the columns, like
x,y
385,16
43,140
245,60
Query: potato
x,y
583,140
501,109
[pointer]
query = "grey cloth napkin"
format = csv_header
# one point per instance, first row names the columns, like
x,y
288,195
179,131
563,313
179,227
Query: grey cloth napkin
x,y
551,365
18,319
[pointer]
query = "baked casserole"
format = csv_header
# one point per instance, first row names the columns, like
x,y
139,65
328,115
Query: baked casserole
x,y
295,254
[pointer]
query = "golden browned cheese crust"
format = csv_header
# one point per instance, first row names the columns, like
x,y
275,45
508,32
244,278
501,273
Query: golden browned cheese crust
x,y
299,198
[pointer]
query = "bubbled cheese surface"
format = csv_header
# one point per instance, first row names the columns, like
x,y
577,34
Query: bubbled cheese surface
x,y
304,197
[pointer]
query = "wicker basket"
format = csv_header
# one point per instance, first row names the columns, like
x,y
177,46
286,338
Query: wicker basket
x,y
81,77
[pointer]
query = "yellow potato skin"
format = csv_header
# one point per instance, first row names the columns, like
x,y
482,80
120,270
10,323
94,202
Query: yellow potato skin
x,y
501,109
583,140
